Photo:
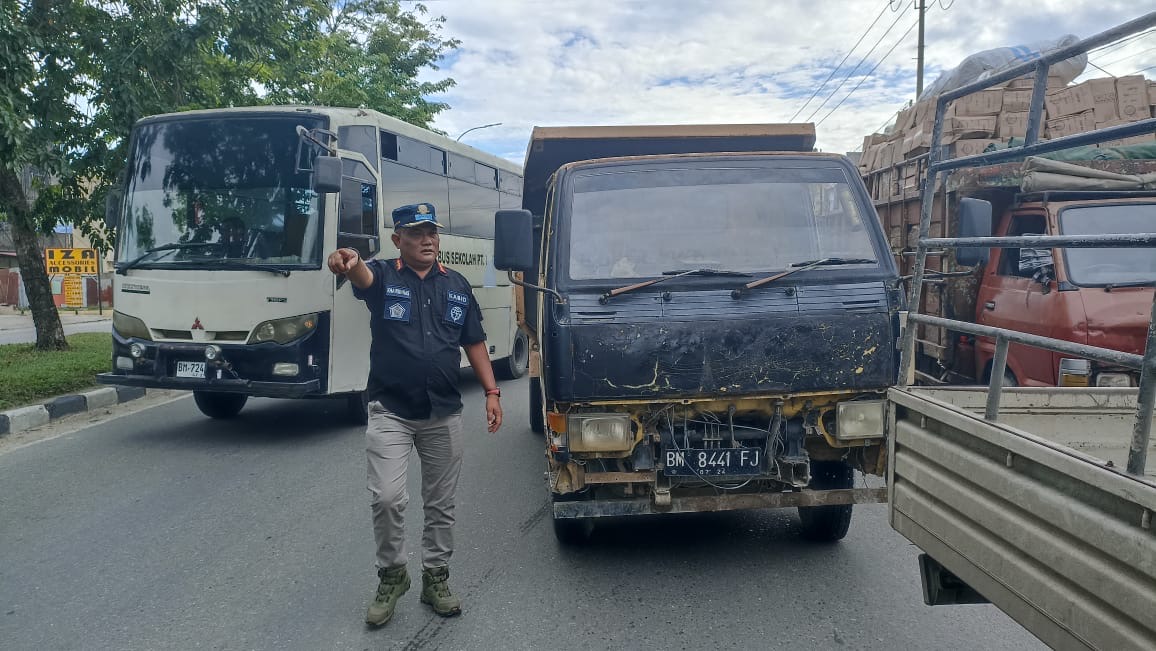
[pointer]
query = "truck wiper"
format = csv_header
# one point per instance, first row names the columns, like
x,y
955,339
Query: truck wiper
x,y
1135,283
668,275
173,246
830,262
705,272
796,267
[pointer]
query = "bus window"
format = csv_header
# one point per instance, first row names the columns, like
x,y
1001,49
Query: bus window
x,y
486,176
358,201
461,168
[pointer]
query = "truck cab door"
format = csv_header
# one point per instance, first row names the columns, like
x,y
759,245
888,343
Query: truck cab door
x,y
1009,298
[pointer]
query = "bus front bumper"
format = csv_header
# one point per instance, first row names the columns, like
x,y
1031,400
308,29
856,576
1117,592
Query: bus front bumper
x,y
227,385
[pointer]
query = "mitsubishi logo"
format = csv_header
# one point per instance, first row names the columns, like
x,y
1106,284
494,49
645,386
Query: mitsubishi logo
x,y
197,324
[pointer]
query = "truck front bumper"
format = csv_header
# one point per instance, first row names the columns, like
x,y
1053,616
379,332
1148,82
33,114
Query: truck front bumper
x,y
730,502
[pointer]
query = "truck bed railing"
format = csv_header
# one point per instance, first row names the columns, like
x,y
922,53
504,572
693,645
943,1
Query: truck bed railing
x,y
1146,401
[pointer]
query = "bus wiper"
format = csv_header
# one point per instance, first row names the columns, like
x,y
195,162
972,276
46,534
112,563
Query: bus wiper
x,y
173,246
238,265
667,275
796,267
830,262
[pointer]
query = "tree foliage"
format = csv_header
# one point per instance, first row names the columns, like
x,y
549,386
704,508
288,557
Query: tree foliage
x,y
75,75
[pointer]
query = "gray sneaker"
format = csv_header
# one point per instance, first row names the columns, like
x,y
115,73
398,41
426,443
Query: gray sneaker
x,y
394,583
435,591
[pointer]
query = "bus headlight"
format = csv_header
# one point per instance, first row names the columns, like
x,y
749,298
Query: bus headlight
x,y
599,432
859,419
130,326
284,331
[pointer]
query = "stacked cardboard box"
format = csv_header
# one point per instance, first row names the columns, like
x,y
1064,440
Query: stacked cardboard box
x,y
1100,103
974,122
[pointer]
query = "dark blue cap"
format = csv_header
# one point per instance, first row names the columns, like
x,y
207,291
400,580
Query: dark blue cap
x,y
415,215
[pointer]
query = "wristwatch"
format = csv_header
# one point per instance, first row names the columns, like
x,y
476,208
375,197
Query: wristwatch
x,y
494,392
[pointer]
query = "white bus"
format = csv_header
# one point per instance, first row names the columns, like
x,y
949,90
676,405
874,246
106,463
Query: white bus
x,y
223,225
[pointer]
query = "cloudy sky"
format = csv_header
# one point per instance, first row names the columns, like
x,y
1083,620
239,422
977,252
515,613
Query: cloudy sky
x,y
593,62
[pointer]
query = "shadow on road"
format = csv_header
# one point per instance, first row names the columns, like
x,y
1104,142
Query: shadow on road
x,y
263,422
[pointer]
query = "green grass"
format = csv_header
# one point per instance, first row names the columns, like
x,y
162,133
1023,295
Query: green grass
x,y
29,376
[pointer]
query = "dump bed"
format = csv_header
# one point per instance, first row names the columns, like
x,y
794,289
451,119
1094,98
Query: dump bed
x,y
552,147
1033,511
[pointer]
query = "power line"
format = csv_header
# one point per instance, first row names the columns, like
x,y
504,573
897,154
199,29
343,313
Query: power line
x,y
1104,49
869,73
845,56
1131,56
850,74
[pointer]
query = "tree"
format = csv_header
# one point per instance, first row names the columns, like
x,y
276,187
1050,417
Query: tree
x,y
76,75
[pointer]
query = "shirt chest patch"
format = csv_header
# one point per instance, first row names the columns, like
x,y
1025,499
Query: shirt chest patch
x,y
456,304
397,303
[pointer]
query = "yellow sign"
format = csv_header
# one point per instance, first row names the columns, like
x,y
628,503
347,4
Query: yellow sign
x,y
71,261
73,290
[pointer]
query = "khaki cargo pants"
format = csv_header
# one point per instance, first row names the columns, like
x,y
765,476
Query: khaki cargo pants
x,y
388,442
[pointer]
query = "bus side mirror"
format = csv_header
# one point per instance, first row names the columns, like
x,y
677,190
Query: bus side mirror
x,y
366,246
974,221
326,174
112,204
514,240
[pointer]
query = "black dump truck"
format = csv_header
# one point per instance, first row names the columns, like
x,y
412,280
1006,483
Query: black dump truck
x,y
713,313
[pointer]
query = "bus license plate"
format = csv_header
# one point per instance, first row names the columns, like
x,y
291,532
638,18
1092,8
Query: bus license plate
x,y
719,461
191,369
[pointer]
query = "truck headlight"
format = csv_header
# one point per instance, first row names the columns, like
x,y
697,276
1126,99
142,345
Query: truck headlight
x,y
599,432
284,331
130,326
859,419
1114,380
1074,373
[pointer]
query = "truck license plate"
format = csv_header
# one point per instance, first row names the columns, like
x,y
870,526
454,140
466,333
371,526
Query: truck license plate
x,y
719,461
191,369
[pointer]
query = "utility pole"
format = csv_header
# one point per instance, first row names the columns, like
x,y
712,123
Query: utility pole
x,y
922,7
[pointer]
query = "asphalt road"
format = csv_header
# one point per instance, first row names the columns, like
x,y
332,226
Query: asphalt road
x,y
165,530
27,335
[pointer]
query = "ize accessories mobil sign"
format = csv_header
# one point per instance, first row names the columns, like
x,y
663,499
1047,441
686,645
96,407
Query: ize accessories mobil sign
x,y
71,261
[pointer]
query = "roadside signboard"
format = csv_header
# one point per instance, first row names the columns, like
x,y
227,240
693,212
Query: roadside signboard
x,y
80,262
73,290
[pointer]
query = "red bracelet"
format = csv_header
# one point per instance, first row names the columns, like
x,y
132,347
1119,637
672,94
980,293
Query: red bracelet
x,y
494,392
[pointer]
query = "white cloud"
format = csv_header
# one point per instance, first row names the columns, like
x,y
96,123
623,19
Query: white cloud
x,y
571,62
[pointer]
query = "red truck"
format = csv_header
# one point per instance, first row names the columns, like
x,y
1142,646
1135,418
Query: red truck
x,y
1099,297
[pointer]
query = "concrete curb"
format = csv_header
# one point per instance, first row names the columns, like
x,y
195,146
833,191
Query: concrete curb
x,y
22,418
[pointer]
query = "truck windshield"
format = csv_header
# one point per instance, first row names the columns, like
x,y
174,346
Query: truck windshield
x,y
225,182
1110,266
633,223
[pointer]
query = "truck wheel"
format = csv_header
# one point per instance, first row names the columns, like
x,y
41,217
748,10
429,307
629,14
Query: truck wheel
x,y
537,413
219,405
828,523
357,408
514,366
572,532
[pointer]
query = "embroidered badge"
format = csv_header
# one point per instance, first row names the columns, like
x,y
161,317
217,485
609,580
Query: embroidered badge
x,y
456,304
398,311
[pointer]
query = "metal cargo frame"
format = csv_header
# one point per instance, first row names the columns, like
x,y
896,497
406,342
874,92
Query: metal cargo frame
x,y
1062,542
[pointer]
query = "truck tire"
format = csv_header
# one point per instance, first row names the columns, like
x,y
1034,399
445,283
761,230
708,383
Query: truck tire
x,y
537,412
826,524
357,408
219,405
573,532
514,366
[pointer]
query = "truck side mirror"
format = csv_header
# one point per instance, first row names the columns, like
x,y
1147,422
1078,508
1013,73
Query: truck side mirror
x,y
514,240
974,221
326,174
112,204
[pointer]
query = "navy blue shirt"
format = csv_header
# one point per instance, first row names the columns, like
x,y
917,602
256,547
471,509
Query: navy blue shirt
x,y
418,328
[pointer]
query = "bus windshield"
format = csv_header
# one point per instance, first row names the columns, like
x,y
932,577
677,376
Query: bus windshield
x,y
642,223
220,191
